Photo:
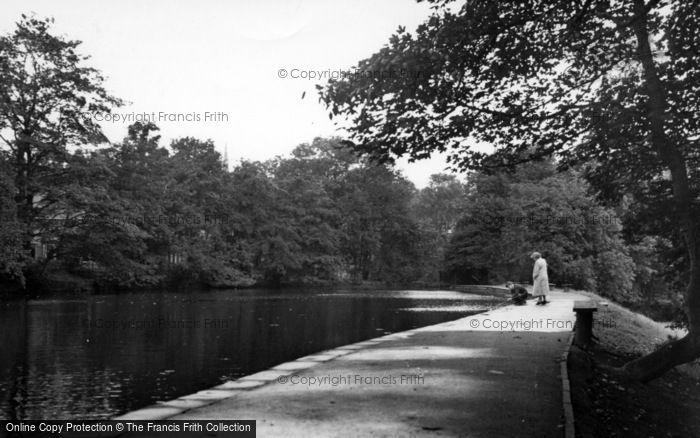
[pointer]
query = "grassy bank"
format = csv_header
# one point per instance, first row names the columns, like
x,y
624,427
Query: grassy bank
x,y
605,406
625,333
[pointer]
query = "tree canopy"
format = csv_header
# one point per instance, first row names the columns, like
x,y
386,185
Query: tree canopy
x,y
613,84
46,94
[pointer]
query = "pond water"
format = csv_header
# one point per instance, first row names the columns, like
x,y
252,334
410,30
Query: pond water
x,y
99,356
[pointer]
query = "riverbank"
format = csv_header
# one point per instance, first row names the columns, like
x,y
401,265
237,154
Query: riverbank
x,y
447,379
666,407
66,283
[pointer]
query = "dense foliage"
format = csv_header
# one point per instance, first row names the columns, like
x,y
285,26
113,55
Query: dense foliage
x,y
509,215
609,83
139,214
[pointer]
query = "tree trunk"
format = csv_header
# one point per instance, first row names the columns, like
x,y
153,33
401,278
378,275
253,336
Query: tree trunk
x,y
688,348
674,353
24,197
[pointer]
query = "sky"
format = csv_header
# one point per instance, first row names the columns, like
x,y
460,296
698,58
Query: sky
x,y
230,71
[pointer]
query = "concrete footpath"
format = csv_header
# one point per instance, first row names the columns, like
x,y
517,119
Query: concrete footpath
x,y
489,375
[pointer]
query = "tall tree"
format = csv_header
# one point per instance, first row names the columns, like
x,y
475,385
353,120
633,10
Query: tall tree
x,y
197,210
380,237
305,183
46,94
118,210
253,207
535,78
438,207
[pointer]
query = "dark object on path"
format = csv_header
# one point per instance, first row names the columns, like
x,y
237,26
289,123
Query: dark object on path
x,y
584,322
518,293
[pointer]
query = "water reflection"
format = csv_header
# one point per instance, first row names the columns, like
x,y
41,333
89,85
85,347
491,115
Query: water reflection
x,y
107,354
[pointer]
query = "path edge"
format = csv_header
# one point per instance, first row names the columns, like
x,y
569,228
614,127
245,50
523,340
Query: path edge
x,y
162,410
569,427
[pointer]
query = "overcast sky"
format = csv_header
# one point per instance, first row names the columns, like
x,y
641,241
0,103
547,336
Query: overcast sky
x,y
189,58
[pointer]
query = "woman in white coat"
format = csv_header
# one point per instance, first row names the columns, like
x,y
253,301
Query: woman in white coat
x,y
540,280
